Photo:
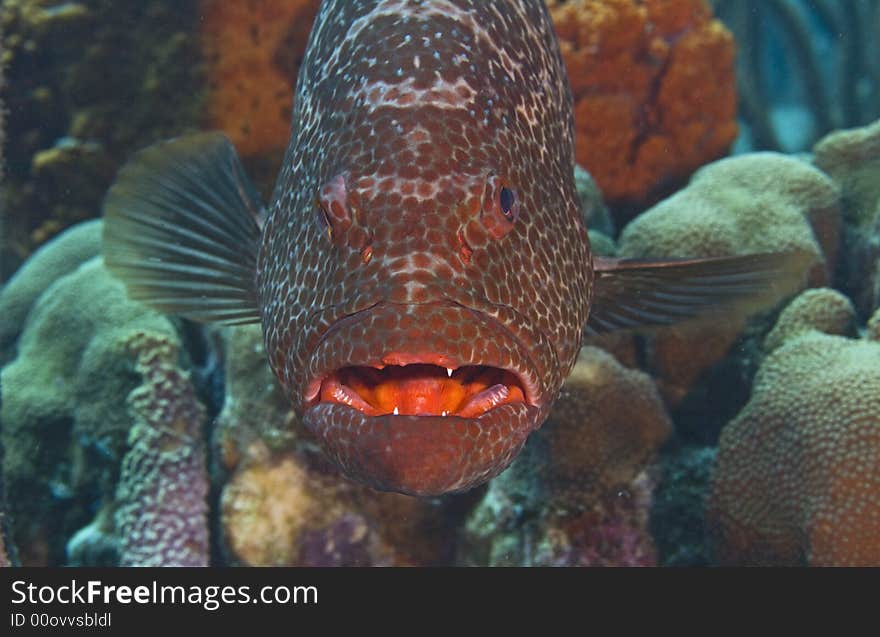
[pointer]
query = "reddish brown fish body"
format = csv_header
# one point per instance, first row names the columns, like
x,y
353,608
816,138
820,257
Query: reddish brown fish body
x,y
426,218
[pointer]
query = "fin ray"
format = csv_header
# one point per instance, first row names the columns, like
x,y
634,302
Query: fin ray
x,y
644,294
182,229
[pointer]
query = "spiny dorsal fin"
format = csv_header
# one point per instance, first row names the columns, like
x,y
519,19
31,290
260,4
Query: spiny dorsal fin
x,y
182,230
637,294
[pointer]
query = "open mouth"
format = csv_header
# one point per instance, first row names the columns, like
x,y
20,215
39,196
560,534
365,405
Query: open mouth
x,y
422,389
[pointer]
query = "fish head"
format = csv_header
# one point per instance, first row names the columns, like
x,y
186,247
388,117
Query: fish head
x,y
425,277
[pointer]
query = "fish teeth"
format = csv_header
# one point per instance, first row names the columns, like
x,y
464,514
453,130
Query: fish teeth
x,y
444,412
395,412
449,372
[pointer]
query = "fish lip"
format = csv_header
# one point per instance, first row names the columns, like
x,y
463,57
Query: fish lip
x,y
528,376
422,455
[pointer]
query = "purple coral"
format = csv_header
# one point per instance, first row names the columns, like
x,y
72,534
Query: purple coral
x,y
163,486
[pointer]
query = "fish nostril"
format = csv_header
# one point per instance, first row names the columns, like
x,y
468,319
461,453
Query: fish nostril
x,y
334,214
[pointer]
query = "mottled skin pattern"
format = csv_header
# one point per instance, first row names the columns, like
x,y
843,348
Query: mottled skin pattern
x,y
385,242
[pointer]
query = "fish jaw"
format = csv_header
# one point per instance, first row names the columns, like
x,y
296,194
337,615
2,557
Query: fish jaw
x,y
422,455
402,404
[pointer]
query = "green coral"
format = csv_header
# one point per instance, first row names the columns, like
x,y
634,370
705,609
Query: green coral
x,y
66,253
797,479
821,309
64,416
852,158
761,202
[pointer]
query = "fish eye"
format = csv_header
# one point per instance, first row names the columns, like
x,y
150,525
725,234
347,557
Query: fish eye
x,y
507,198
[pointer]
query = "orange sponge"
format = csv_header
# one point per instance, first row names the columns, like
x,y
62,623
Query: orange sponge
x,y
654,90
253,51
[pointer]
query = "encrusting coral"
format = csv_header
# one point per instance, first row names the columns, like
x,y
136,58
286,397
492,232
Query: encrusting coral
x,y
578,495
761,202
798,473
654,90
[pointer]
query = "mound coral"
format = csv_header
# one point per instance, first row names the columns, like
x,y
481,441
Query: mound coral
x,y
852,158
821,309
253,52
68,251
578,494
798,474
762,202
654,91
97,389
284,504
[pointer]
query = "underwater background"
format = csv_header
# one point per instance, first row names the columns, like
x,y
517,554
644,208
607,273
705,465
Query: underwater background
x,y
703,129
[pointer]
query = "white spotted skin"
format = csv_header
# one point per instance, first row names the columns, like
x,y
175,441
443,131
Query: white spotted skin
x,y
417,105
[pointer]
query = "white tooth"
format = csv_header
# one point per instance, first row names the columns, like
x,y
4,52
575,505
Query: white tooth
x,y
444,412
449,372
395,410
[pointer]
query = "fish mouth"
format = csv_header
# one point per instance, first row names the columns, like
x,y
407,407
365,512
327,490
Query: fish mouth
x,y
422,389
402,406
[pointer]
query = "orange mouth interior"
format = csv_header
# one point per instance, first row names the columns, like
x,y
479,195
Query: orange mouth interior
x,y
422,389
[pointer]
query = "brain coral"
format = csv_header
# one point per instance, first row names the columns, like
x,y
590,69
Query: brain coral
x,y
762,202
253,51
578,493
798,474
654,90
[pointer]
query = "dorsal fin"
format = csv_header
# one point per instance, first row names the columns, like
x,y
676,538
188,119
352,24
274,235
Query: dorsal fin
x,y
182,230
637,294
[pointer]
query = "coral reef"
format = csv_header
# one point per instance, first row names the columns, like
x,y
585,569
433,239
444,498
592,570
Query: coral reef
x,y
821,309
762,202
654,91
578,494
17,296
88,83
253,51
852,158
162,508
797,478
872,330
805,67
283,504
65,422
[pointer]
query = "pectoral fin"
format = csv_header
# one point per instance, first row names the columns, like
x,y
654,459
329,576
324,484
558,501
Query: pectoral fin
x,y
637,294
182,230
